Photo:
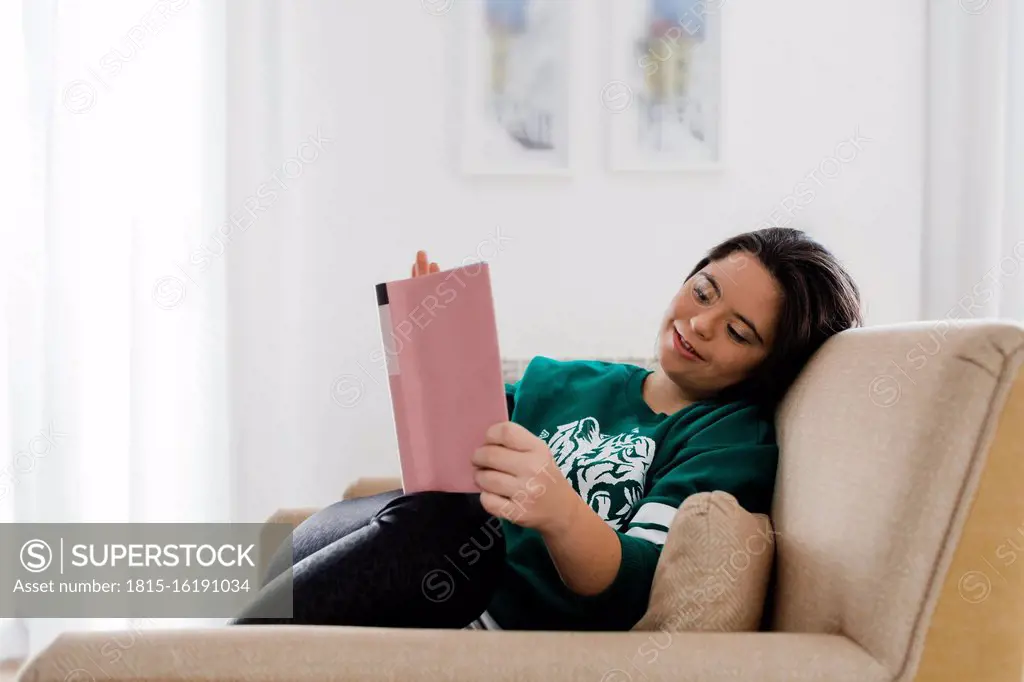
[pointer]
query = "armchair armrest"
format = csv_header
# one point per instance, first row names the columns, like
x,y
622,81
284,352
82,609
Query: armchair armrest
x,y
373,485
293,517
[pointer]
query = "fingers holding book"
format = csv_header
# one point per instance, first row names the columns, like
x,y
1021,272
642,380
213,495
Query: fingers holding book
x,y
423,265
520,480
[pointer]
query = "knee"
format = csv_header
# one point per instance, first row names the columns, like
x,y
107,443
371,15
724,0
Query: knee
x,y
431,507
452,517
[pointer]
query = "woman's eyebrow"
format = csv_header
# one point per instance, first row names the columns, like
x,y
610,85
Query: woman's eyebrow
x,y
744,320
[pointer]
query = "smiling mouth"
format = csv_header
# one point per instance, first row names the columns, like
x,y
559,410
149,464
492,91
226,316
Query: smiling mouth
x,y
686,344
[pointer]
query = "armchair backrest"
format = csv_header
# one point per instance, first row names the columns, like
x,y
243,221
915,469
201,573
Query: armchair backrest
x,y
899,504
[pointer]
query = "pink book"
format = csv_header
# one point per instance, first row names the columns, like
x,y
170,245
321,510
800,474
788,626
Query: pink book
x,y
444,373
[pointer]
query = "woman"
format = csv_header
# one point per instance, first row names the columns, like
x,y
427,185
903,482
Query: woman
x,y
580,486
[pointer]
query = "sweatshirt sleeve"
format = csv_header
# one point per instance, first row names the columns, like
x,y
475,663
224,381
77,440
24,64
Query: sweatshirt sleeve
x,y
744,468
510,398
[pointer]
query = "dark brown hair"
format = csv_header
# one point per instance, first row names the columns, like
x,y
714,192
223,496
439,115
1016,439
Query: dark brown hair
x,y
819,300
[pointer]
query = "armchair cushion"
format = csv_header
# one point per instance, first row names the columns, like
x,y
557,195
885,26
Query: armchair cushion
x,y
341,654
714,568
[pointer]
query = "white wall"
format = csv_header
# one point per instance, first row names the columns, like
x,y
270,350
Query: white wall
x,y
592,259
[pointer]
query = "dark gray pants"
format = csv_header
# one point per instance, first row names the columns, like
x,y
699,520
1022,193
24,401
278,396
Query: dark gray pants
x,y
424,560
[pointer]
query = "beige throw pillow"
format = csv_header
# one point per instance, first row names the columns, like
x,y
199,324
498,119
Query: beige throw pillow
x,y
714,568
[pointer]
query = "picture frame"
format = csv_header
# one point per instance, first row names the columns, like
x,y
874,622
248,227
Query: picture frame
x,y
515,87
664,94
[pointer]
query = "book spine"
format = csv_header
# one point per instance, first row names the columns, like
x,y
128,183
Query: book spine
x,y
387,330
403,411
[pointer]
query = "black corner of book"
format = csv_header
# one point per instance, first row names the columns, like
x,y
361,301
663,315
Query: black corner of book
x,y
382,293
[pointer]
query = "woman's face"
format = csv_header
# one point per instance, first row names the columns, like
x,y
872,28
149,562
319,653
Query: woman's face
x,y
720,325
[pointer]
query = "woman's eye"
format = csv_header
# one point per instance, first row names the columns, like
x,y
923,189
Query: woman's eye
x,y
736,335
702,292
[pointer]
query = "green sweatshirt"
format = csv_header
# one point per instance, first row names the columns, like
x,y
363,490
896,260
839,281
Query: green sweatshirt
x,y
634,467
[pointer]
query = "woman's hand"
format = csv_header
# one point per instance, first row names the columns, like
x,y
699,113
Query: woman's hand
x,y
521,481
423,266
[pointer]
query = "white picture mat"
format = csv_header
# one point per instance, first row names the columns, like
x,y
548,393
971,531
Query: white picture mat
x,y
627,21
485,147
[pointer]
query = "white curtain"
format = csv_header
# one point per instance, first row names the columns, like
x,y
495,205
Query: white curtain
x,y
973,252
113,133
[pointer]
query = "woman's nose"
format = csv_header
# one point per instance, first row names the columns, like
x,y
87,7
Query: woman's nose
x,y
701,325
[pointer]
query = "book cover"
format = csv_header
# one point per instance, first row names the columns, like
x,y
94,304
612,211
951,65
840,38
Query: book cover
x,y
444,373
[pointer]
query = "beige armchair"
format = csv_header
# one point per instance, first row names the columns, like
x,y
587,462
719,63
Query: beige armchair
x,y
898,513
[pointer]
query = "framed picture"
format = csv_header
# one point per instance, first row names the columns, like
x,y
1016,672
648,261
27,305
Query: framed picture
x,y
515,86
664,95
